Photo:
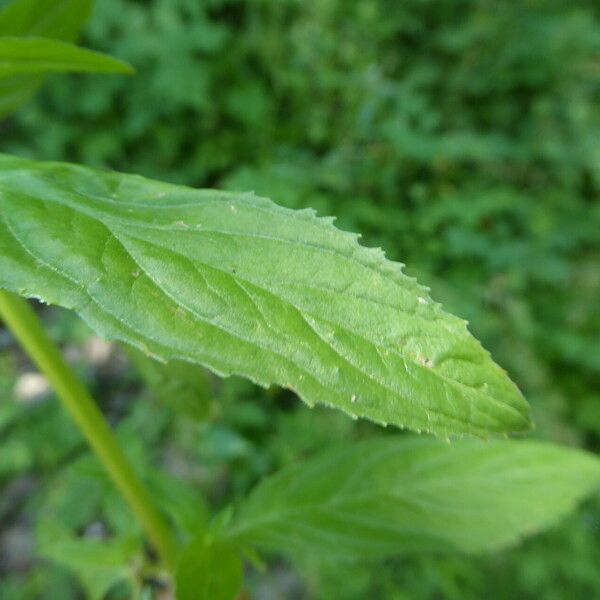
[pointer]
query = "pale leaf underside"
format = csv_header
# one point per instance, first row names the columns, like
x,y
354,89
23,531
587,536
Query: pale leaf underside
x,y
385,496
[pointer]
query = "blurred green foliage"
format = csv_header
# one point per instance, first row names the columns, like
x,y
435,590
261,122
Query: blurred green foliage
x,y
461,136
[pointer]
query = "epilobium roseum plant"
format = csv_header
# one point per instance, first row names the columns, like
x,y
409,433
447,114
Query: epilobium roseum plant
x,y
239,285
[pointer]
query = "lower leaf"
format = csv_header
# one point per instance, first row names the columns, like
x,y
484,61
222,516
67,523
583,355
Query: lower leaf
x,y
390,495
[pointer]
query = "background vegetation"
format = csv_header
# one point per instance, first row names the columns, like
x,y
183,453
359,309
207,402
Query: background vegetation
x,y
461,136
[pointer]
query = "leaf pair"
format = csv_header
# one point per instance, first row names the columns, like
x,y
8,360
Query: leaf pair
x,y
392,495
243,286
240,285
35,39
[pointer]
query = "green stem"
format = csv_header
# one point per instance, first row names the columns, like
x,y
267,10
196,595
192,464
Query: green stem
x,y
25,325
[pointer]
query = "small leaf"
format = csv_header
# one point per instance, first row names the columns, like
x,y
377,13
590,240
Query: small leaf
x,y
57,19
208,570
386,496
99,565
180,500
31,55
183,386
243,286
15,91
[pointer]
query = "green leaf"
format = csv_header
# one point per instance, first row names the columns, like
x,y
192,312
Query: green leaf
x,y
98,564
208,570
28,55
386,496
183,386
59,19
243,286
180,500
14,91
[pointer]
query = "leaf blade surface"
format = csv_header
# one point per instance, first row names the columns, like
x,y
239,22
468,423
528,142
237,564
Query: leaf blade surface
x,y
57,19
33,55
208,570
384,496
243,286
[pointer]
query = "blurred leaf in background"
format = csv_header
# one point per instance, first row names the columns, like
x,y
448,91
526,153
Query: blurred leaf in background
x,y
53,19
